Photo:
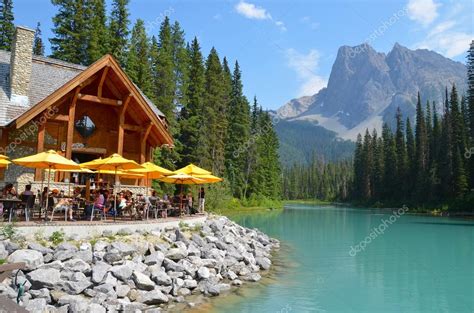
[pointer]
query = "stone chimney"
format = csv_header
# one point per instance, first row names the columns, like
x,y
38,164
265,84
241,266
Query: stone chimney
x,y
20,65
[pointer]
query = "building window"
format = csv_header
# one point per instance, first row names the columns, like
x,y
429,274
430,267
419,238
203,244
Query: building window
x,y
85,126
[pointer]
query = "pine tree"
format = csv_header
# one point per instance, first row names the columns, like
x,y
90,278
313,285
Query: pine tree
x,y
192,118
358,168
71,32
7,27
38,47
402,160
138,63
118,31
216,112
421,142
238,135
390,163
470,106
98,37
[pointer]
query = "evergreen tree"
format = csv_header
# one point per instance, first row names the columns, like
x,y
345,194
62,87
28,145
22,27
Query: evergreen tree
x,y
38,47
215,112
71,32
138,63
390,163
7,27
470,106
118,31
402,161
98,37
192,118
238,135
421,155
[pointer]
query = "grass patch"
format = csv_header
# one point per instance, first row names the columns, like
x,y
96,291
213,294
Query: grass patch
x,y
308,201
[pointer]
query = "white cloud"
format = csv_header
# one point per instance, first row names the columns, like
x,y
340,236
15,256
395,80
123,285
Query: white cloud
x,y
281,26
305,66
309,22
423,11
251,11
450,43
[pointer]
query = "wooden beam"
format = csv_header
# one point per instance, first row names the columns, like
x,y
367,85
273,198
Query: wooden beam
x,y
131,127
60,118
70,124
121,124
144,138
102,100
102,79
113,88
40,148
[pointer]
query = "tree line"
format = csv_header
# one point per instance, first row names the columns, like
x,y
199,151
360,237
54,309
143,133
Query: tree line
x,y
212,122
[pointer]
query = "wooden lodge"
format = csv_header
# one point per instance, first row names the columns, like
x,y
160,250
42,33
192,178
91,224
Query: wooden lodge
x,y
82,112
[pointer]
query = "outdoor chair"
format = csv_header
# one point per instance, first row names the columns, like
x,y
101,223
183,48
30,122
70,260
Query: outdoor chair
x,y
29,201
100,209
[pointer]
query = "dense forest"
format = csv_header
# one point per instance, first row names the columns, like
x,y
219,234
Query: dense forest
x,y
213,123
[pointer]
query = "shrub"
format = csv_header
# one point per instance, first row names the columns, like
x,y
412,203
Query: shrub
x,y
57,237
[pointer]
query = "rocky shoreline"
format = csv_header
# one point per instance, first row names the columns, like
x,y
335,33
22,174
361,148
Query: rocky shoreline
x,y
137,271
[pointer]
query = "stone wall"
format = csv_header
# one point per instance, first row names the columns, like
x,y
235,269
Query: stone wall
x,y
20,67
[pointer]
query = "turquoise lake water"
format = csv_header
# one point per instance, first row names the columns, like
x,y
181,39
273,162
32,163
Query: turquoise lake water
x,y
417,264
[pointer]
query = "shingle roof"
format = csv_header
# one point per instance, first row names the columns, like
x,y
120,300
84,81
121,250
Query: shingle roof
x,y
47,75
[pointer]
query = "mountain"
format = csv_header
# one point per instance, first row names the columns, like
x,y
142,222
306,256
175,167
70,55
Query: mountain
x,y
366,87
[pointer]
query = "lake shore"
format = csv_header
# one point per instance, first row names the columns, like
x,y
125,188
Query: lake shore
x,y
168,269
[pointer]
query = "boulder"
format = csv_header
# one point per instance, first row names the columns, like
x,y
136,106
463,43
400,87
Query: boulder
x,y
122,272
198,240
37,305
77,265
95,308
63,255
142,281
190,283
178,253
85,255
123,248
156,257
122,290
40,248
253,277
112,256
33,259
99,269
44,278
152,297
171,265
263,262
41,293
100,245
55,264
161,278
3,251
76,287
203,272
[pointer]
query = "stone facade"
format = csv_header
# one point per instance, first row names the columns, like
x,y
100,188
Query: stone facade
x,y
20,67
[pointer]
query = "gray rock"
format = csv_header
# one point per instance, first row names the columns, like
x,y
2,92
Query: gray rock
x,y
66,246
37,305
3,251
263,262
105,289
170,265
156,257
180,236
55,264
122,272
95,308
178,253
113,256
142,281
224,287
198,240
77,265
100,245
122,290
231,275
253,277
41,293
190,283
7,291
11,246
203,272
161,278
152,297
76,287
125,231
33,259
123,248
110,279
41,278
85,255
63,255
237,282
99,269
40,248
77,303
48,257
184,292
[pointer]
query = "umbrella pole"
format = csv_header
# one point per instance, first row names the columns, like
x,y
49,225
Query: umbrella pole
x,y
47,196
115,195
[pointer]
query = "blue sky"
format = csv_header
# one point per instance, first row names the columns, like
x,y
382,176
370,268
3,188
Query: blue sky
x,y
286,48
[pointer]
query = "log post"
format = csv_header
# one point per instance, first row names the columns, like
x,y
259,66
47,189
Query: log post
x,y
40,148
121,123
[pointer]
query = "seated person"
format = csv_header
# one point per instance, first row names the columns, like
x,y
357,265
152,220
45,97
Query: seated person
x,y
9,191
62,205
98,203
189,204
27,191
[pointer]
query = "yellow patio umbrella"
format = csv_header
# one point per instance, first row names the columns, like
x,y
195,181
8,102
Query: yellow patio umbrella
x,y
4,161
193,170
152,171
182,179
209,179
47,160
125,174
114,162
